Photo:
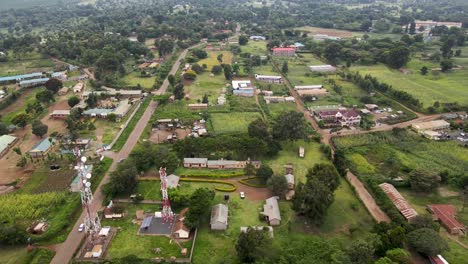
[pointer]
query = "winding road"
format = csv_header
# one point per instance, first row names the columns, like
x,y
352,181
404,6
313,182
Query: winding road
x,y
66,250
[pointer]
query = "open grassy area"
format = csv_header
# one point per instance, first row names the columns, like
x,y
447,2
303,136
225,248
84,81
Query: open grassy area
x,y
275,109
45,180
134,78
290,154
20,255
235,122
29,62
206,84
255,48
443,87
128,242
212,58
177,109
377,155
28,99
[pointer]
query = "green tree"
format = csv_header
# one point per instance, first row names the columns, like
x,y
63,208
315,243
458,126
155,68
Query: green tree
x,y
179,91
243,40
332,52
326,173
165,47
264,173
259,129
311,249
217,69
385,260
92,100
20,120
190,75
424,221
3,129
362,250
423,180
277,185
227,71
39,129
53,85
220,58
171,79
73,100
284,68
253,245
200,54
205,99
289,126
424,70
312,200
112,117
197,68
45,96
123,180
427,241
412,28
446,65
398,56
399,256
199,206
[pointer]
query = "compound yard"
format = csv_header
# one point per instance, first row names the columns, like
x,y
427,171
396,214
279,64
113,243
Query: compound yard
x,y
235,122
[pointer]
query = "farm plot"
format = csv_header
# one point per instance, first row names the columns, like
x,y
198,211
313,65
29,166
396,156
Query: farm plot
x,y
134,79
31,62
255,48
235,122
275,109
443,87
46,180
386,154
330,32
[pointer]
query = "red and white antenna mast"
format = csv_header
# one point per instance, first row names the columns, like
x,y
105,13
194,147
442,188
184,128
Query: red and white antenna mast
x,y
167,213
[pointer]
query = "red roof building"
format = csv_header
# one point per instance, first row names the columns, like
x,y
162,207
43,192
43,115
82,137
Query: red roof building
x,y
284,52
446,215
399,201
339,117
437,260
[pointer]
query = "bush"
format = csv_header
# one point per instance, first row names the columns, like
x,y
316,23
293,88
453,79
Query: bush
x,y
246,182
221,189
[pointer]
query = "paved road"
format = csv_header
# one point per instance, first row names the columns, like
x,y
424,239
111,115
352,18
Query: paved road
x,y
66,250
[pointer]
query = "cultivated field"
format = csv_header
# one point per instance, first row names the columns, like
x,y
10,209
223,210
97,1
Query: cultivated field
x,y
212,58
255,48
330,32
443,87
29,62
222,123
206,84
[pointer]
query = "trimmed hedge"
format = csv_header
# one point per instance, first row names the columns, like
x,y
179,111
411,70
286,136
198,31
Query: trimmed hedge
x,y
208,175
221,189
245,182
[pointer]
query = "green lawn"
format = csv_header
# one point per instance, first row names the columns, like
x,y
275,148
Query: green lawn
x,y
30,62
134,78
275,109
266,69
290,154
128,242
235,122
45,180
212,58
177,109
255,48
442,87
15,255
205,84
457,254
215,173
29,99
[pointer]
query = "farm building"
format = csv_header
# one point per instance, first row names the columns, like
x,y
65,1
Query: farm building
x,y
430,125
112,213
437,260
60,114
301,152
122,109
284,52
41,148
243,88
430,134
78,87
172,181
33,82
197,106
6,142
97,112
312,92
269,78
308,87
219,217
63,91
338,117
399,201
17,78
371,107
446,215
322,68
299,45
257,38
195,162
180,230
271,211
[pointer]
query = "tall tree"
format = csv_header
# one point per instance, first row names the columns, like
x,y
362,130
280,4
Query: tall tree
x,y
53,85
259,129
73,100
312,200
39,129
179,91
398,56
199,206
92,100
278,185
253,245
171,79
20,120
326,173
165,47
264,173
3,129
284,68
227,71
427,241
243,40
423,180
123,180
45,96
289,126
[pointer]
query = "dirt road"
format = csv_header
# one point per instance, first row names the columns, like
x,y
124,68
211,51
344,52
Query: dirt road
x,y
367,199
67,249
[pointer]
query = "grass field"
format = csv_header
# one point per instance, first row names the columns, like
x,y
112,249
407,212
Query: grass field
x,y
212,58
236,122
45,180
330,32
275,109
29,99
443,87
16,255
255,48
177,109
30,62
290,154
134,78
205,84
128,242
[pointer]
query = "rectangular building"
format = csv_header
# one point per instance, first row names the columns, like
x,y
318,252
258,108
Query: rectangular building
x,y
338,117
6,143
322,68
41,149
219,217
446,215
271,211
399,201
269,78
284,52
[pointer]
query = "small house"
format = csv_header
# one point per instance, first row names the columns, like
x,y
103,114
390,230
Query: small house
x,y
60,114
271,211
284,52
269,78
104,232
301,152
6,143
172,181
446,215
219,217
290,181
180,230
78,87
62,76
41,148
140,215
195,107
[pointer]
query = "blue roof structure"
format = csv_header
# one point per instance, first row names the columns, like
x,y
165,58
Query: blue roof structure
x,y
146,222
98,111
20,77
41,80
244,91
298,44
42,146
